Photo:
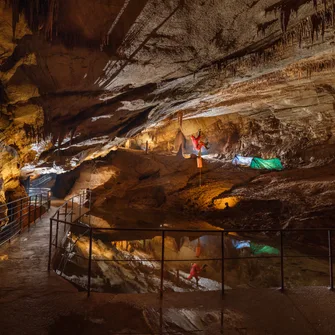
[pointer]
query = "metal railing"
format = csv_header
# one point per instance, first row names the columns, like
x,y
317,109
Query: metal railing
x,y
45,191
85,233
72,210
18,215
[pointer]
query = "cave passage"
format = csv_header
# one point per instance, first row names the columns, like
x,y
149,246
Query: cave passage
x,y
177,152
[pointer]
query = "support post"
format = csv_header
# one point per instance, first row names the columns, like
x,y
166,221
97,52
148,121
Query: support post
x,y
222,263
330,244
162,264
49,199
29,204
50,246
65,216
57,226
89,206
90,200
146,147
89,264
41,202
35,208
72,209
282,260
79,205
65,212
20,216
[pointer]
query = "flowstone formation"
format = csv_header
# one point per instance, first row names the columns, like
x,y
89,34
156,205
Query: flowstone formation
x,y
77,82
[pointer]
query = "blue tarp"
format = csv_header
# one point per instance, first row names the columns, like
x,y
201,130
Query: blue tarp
x,y
240,244
256,249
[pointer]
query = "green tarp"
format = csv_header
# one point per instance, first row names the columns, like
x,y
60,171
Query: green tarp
x,y
268,164
258,249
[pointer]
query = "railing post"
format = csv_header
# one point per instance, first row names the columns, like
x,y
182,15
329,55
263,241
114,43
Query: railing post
x,y
35,208
20,216
89,206
222,263
65,216
282,260
41,202
330,244
40,206
50,246
29,204
79,205
72,209
89,264
57,226
49,199
162,264
65,212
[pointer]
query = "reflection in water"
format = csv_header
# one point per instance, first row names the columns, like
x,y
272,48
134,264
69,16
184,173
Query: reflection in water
x,y
135,265
130,261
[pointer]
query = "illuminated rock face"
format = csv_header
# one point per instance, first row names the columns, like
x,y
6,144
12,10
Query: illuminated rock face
x,y
78,81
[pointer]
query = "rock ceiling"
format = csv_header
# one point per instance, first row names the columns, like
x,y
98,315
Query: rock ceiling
x,y
79,77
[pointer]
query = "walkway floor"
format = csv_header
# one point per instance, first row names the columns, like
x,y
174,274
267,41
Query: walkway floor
x,y
32,301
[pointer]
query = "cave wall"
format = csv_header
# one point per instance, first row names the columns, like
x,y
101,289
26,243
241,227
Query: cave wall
x,y
293,120
78,80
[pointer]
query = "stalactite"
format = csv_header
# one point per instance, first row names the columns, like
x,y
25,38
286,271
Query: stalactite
x,y
318,25
30,132
50,19
38,14
3,95
72,133
263,26
61,137
285,15
15,15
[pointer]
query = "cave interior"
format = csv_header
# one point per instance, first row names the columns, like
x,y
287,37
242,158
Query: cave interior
x,y
111,96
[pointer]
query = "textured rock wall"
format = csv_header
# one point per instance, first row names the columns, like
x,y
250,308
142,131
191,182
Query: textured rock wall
x,y
79,80
293,120
20,121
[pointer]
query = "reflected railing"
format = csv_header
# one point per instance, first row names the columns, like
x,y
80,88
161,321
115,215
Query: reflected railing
x,y
76,247
45,191
18,215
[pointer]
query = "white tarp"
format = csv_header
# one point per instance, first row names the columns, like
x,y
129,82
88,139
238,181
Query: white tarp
x,y
240,160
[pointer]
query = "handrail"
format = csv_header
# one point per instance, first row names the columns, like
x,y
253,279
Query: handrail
x,y
81,196
163,232
202,230
14,201
40,189
21,213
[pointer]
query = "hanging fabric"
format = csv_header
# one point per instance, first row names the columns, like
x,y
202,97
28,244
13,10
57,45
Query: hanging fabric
x,y
198,249
258,163
180,119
